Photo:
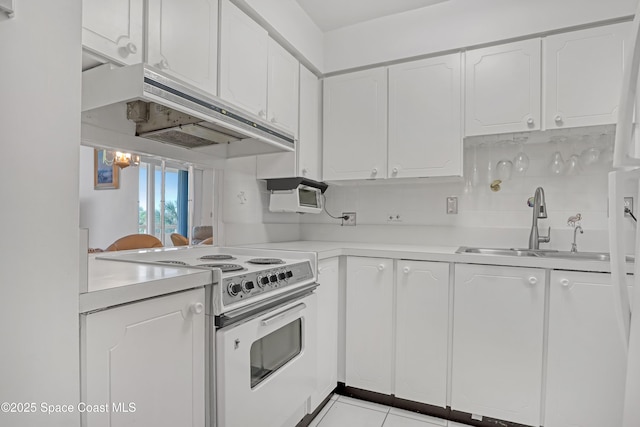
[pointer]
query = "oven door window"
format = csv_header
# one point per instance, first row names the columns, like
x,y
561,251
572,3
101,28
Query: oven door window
x,y
273,351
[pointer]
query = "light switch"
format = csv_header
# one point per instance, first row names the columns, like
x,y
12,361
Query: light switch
x,y
452,205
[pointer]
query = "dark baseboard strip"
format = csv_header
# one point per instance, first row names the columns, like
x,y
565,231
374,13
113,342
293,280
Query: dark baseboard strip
x,y
422,408
393,401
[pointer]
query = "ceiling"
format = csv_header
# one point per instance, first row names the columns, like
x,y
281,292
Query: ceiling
x,y
333,14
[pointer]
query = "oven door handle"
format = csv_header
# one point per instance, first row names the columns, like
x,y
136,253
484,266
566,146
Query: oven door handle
x,y
276,317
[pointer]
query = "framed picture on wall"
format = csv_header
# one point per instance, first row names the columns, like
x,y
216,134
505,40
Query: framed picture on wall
x,y
105,174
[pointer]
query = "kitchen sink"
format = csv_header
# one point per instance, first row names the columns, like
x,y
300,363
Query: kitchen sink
x,y
500,252
542,253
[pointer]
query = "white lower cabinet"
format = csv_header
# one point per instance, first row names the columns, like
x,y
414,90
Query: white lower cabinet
x,y
369,324
146,361
327,292
498,328
422,315
397,330
586,357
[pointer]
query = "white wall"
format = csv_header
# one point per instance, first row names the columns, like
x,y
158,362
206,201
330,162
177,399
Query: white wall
x,y
456,24
245,216
108,214
485,218
40,57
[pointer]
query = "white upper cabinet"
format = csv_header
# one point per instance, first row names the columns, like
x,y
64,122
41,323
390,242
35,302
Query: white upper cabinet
x,y
183,40
498,342
305,162
583,73
355,125
503,88
309,144
282,88
113,29
425,118
257,74
243,61
587,360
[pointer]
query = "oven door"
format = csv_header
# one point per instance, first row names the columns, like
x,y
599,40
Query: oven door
x,y
265,366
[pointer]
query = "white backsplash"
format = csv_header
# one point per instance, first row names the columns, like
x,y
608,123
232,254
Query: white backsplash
x,y
245,200
485,218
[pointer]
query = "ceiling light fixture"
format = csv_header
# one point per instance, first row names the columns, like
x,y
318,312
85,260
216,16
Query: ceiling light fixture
x,y
120,159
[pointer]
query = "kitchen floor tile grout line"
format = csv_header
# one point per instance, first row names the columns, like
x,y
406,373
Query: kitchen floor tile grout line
x,y
365,407
330,403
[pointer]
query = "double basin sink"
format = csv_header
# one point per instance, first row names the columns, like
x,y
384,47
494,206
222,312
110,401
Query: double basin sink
x,y
541,253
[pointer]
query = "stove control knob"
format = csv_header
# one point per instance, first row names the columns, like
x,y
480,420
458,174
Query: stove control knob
x,y
289,274
282,275
260,281
247,286
264,281
234,289
273,278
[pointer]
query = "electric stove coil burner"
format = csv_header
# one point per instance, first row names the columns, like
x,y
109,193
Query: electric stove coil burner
x,y
217,257
266,261
226,268
172,262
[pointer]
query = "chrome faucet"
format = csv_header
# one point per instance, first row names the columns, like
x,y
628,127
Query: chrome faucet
x,y
574,246
539,211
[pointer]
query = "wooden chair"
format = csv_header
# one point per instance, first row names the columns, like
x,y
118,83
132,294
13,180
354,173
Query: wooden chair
x,y
208,241
179,239
135,241
201,233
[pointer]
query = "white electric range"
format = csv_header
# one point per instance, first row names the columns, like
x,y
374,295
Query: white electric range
x,y
261,332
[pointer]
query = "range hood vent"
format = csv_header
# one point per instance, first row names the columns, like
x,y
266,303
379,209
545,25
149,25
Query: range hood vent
x,y
168,111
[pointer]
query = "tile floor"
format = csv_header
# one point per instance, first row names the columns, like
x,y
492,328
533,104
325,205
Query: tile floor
x,y
342,411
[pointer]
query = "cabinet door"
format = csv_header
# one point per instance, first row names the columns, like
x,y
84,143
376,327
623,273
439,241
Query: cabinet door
x,y
586,358
425,118
497,342
243,61
583,73
183,40
309,144
355,125
113,29
503,88
369,340
284,165
151,354
327,378
282,88
421,331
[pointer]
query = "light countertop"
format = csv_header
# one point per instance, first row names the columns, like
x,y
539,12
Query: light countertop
x,y
434,253
112,283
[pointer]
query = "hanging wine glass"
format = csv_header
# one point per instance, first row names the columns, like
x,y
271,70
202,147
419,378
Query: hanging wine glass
x,y
475,173
504,167
521,160
557,162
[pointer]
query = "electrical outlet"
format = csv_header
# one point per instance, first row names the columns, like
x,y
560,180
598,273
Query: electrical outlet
x,y
351,220
452,205
628,203
394,218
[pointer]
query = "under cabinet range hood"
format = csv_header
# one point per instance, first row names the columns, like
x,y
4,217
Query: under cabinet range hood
x,y
168,111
